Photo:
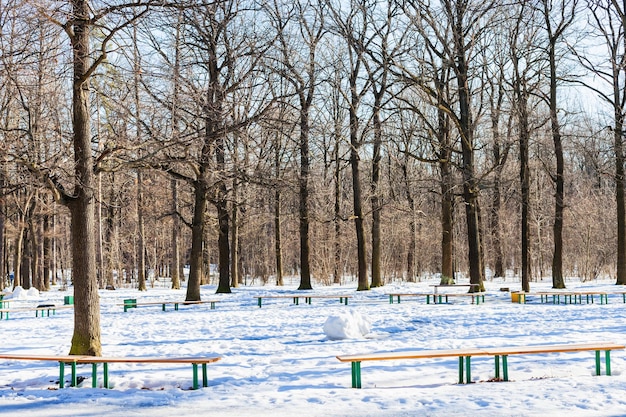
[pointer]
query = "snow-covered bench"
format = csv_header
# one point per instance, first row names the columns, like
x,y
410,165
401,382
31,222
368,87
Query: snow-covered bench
x,y
132,303
439,298
465,356
73,360
307,298
43,308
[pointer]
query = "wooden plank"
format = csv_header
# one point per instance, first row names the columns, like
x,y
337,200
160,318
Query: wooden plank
x,y
415,354
145,359
520,350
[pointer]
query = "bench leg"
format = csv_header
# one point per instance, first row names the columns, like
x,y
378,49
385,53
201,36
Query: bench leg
x,y
212,305
607,362
467,368
195,375
205,379
74,377
176,306
105,372
163,307
259,301
94,375
505,367
497,358
61,374
356,374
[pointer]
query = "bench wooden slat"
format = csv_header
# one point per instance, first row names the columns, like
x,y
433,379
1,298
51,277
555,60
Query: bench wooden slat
x,y
415,354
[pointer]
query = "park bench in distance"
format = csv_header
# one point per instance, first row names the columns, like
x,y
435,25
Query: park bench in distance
x,y
73,360
465,356
439,298
43,308
343,299
132,303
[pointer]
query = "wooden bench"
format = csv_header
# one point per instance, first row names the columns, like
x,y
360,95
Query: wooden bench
x,y
343,299
73,360
437,286
572,297
4,312
398,296
465,356
132,303
440,298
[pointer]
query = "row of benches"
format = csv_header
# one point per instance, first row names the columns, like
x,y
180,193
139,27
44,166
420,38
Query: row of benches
x,y
567,297
464,360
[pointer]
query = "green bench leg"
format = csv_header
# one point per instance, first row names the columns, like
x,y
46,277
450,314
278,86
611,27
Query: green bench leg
x,y
607,362
61,374
94,375
497,358
505,367
212,305
307,300
74,377
391,299
467,368
356,374
259,301
105,372
195,375
205,379
428,298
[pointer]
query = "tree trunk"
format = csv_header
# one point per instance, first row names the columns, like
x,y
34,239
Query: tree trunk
x,y
558,280
337,269
86,336
141,239
175,242
305,251
470,182
278,252
197,241
377,280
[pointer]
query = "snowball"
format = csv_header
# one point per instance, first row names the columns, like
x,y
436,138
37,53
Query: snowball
x,y
346,325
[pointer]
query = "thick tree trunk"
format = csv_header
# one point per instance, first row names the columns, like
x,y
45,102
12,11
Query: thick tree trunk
x,y
197,241
377,280
305,251
278,251
141,240
175,242
619,197
558,280
86,337
470,182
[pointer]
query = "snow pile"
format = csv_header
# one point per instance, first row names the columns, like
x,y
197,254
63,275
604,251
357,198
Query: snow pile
x,y
20,293
346,325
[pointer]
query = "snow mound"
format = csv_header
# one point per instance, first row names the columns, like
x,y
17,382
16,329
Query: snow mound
x,y
346,325
20,293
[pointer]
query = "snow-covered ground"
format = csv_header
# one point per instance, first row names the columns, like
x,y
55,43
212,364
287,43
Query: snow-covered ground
x,y
279,360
